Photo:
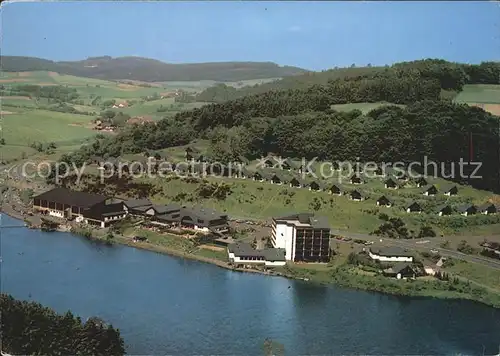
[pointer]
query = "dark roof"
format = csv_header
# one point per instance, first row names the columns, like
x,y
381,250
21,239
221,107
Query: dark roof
x,y
486,206
356,192
99,212
162,209
443,207
205,213
245,249
429,188
274,254
390,251
466,207
450,187
136,203
71,197
398,267
298,179
383,197
317,222
412,204
390,180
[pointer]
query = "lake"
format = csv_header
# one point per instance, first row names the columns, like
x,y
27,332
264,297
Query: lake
x,y
167,305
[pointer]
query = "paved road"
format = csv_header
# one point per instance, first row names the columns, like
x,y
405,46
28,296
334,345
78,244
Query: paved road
x,y
424,245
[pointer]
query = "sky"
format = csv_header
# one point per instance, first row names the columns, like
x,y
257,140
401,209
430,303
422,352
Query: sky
x,y
311,35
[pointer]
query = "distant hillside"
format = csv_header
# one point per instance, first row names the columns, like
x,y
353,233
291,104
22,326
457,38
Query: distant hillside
x,y
150,70
451,77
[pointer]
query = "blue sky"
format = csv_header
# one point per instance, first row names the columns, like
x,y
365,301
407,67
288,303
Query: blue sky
x,y
312,35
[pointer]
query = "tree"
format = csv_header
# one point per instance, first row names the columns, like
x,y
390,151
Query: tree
x,y
28,328
254,243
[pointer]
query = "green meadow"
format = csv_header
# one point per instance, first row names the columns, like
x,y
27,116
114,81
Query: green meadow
x,y
363,107
479,93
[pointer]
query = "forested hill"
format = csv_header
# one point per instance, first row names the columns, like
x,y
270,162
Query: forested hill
x,y
150,70
451,76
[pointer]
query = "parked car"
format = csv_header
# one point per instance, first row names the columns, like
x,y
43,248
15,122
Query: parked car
x,y
434,251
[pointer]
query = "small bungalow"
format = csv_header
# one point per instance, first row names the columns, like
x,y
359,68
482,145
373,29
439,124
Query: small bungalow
x,y
268,162
383,201
334,189
390,254
413,208
286,166
390,184
201,158
243,173
488,208
277,178
379,172
295,166
306,170
444,210
467,209
402,176
421,182
241,160
356,179
401,270
190,153
356,196
260,176
315,186
430,191
297,183
451,191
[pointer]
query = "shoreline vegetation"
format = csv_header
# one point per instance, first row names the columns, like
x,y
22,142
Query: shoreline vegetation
x,y
339,272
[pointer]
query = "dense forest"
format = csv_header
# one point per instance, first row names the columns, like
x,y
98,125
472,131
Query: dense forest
x,y
451,76
300,123
28,328
150,70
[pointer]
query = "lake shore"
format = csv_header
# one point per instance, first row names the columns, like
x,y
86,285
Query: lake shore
x,y
340,276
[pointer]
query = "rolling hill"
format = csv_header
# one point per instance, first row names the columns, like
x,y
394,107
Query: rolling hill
x,y
150,70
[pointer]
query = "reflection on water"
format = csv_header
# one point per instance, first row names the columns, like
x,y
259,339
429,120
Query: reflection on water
x,y
169,305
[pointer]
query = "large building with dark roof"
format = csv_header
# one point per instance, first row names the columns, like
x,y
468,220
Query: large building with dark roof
x,y
85,207
305,237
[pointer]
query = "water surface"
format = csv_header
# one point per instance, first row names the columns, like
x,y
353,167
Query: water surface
x,y
166,305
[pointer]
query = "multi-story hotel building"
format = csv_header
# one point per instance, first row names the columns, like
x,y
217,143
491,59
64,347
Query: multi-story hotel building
x,y
305,237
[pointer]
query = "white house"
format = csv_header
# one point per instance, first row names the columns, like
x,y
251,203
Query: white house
x,y
389,254
305,237
241,253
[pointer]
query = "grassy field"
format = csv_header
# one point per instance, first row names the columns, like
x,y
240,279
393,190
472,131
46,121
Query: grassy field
x,y
26,120
479,93
45,126
487,97
363,107
263,200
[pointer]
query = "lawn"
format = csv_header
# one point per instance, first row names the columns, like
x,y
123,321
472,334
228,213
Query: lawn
x,y
45,126
363,107
479,93
478,273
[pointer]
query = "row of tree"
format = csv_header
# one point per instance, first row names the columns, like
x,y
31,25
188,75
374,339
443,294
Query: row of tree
x,y
451,76
438,131
59,92
28,328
